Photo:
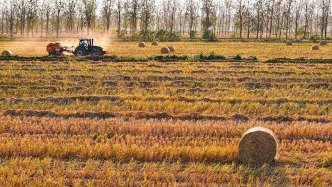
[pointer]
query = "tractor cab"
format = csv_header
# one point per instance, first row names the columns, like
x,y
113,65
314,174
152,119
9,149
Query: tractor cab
x,y
86,47
86,43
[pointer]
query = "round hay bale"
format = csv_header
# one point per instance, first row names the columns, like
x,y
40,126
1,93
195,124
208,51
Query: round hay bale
x,y
171,48
164,50
289,43
6,53
258,146
142,44
315,47
155,43
323,43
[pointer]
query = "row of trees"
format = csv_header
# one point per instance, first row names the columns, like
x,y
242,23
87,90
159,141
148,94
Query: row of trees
x,y
140,18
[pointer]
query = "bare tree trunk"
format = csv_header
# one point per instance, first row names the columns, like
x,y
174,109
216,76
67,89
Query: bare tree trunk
x,y
280,29
180,20
267,27
58,8
223,24
326,24
248,19
2,20
119,18
147,13
229,23
58,23
271,18
277,26
306,20
262,26
241,18
297,18
258,21
249,24
288,17
322,24
11,19
326,17
191,15
41,25
317,24
108,20
82,24
47,22
134,14
172,22
7,23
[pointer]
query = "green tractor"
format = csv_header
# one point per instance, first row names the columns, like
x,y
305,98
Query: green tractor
x,y
86,47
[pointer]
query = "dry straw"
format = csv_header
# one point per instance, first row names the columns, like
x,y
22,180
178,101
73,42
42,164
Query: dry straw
x,y
323,43
164,50
289,43
258,146
6,53
141,44
155,43
315,47
171,48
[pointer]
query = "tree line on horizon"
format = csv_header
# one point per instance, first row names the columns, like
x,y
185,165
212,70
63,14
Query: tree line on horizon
x,y
167,20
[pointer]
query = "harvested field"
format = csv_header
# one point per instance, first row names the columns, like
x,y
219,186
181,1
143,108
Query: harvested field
x,y
262,50
220,89
172,151
158,124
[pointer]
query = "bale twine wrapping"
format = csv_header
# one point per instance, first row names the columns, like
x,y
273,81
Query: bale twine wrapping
x,y
258,146
315,47
323,43
155,43
171,48
289,43
164,50
6,53
141,44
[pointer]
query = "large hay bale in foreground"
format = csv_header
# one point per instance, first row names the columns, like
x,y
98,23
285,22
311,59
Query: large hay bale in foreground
x,y
141,44
258,146
171,48
155,43
6,53
289,43
323,43
164,50
315,47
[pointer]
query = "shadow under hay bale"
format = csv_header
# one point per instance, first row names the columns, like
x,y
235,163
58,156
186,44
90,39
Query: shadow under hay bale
x,y
142,44
171,48
323,43
258,146
155,43
289,43
164,50
6,53
315,47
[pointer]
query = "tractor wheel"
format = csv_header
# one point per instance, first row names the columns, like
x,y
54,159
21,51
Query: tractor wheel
x,y
79,52
96,53
52,53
